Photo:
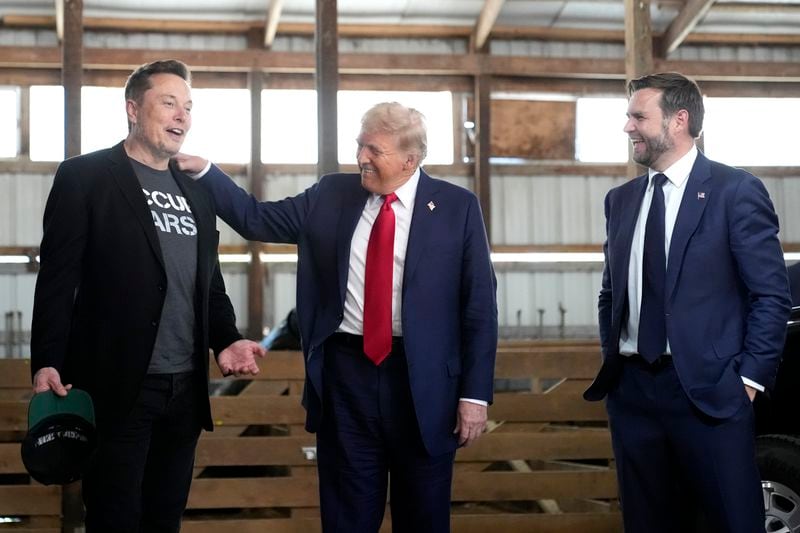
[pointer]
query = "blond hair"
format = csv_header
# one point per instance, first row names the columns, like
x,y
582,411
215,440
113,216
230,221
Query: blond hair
x,y
405,124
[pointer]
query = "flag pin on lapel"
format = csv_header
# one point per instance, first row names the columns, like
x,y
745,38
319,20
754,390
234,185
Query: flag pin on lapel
x,y
701,196
431,205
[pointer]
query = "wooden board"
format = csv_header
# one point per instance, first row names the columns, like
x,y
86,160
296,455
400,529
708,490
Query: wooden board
x,y
533,129
256,451
16,500
461,523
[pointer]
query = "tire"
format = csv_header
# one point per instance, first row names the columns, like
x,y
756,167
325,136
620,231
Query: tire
x,y
778,458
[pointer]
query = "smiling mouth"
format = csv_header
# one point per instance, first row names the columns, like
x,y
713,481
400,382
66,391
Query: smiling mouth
x,y
176,131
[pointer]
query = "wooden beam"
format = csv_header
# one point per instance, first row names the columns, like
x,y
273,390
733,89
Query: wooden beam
x,y
683,24
72,75
638,53
271,26
72,80
486,19
327,69
24,122
60,20
483,146
638,39
256,270
213,61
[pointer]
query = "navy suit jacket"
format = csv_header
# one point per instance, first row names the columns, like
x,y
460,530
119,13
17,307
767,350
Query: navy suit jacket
x,y
727,294
449,307
101,286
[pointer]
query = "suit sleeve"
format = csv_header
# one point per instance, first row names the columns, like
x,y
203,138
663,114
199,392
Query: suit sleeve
x,y
255,220
479,310
66,226
604,300
757,251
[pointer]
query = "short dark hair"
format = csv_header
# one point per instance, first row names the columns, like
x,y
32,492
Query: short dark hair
x,y
139,81
677,92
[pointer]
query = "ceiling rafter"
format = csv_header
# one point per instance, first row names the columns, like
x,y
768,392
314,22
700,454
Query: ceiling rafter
x,y
271,25
684,23
59,4
486,20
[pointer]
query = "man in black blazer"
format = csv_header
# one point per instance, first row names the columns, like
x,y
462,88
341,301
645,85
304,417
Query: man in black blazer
x,y
128,301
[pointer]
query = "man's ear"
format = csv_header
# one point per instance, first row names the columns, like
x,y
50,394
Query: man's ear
x,y
130,110
682,119
412,161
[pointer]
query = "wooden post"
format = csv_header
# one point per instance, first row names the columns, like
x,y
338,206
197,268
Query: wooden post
x,y
638,54
72,75
25,123
72,80
327,82
483,148
255,174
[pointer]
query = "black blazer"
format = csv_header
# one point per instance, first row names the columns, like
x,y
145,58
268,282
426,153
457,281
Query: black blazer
x,y
101,286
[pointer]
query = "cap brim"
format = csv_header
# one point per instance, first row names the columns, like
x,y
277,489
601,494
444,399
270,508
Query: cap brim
x,y
77,402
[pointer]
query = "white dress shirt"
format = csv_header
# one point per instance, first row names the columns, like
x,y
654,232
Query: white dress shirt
x,y
674,187
403,207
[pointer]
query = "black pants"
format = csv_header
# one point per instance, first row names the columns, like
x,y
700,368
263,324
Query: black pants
x,y
369,444
677,466
139,481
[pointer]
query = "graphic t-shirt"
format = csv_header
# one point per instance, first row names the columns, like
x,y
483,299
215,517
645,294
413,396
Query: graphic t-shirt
x,y
177,235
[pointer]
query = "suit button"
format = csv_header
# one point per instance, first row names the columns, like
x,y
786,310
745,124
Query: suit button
x,y
154,323
161,288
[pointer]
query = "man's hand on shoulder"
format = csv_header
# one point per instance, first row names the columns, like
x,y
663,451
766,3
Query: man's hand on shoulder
x,y
239,359
471,422
190,164
48,378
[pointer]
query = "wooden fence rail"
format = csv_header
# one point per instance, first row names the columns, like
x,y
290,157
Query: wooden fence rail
x,y
546,465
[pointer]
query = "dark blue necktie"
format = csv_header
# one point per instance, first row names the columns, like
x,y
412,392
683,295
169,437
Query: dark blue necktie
x,y
652,328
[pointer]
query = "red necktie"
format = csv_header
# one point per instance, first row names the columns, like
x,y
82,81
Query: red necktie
x,y
378,284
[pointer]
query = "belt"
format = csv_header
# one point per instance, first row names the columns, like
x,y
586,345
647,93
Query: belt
x,y
357,341
660,363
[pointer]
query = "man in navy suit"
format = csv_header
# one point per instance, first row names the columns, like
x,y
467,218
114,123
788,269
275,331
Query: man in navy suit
x,y
408,412
692,313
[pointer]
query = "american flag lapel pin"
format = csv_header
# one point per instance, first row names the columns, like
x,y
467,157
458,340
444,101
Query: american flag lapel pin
x,y
431,205
701,196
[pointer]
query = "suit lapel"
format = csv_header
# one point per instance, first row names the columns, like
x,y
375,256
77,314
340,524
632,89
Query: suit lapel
x,y
122,173
351,208
695,199
422,224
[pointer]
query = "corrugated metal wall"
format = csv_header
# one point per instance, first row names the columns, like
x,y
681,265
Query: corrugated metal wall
x,y
541,210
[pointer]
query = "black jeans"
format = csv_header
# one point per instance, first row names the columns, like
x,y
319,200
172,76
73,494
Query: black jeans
x,y
140,477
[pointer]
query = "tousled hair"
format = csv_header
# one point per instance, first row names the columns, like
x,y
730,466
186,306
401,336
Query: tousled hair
x,y
139,81
406,124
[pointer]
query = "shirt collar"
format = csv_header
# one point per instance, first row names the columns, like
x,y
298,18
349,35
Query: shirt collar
x,y
679,172
406,192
